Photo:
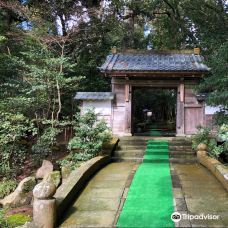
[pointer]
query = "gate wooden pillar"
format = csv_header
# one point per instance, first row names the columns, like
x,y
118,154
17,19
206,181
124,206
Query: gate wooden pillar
x,y
128,101
180,110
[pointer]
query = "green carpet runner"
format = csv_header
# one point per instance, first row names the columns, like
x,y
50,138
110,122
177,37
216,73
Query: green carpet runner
x,y
154,131
149,202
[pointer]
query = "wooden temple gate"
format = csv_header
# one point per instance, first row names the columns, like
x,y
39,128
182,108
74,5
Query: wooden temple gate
x,y
156,70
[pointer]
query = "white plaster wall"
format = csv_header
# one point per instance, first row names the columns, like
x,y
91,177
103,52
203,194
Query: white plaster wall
x,y
102,107
209,110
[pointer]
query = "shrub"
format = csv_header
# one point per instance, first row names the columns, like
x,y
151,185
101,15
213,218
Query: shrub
x,y
14,128
225,146
215,151
223,132
90,134
6,187
205,136
44,144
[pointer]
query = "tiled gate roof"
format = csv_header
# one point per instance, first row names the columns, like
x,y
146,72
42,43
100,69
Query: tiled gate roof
x,y
94,96
154,63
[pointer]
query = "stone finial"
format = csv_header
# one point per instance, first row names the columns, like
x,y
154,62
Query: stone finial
x,y
44,170
54,177
202,147
44,190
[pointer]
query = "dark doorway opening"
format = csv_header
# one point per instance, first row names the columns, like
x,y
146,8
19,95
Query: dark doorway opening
x,y
154,111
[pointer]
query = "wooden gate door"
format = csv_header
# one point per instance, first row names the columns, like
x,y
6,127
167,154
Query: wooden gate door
x,y
194,116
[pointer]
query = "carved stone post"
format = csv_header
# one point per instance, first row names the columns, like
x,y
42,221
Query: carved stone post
x,y
202,149
44,205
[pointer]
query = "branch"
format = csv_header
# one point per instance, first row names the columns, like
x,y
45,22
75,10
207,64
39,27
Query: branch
x,y
17,11
58,87
175,11
166,12
172,8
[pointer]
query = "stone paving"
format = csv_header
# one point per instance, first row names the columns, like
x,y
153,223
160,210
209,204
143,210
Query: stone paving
x,y
197,191
99,203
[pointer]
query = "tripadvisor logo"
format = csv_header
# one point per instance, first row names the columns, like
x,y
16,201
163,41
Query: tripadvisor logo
x,y
176,216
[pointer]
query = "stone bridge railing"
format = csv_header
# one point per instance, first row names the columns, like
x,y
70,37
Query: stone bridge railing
x,y
219,170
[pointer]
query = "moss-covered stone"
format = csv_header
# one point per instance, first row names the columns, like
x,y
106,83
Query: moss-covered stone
x,y
18,219
28,185
109,147
22,194
65,170
54,177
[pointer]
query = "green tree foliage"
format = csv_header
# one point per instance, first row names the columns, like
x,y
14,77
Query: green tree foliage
x,y
60,45
216,83
44,145
48,76
181,24
14,129
187,24
44,79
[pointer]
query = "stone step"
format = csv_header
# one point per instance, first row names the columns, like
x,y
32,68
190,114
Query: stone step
x,y
180,142
127,159
129,153
132,143
183,160
135,138
140,153
131,147
182,156
180,147
181,138
140,160
182,153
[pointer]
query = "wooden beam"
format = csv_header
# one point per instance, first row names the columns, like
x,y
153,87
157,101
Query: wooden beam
x,y
156,74
193,105
153,82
